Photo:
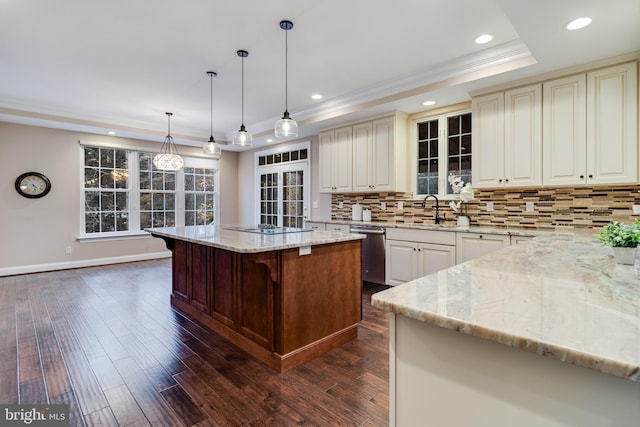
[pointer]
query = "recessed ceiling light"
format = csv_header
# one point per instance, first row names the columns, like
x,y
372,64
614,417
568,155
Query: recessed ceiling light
x,y
485,38
269,140
428,103
111,132
316,96
576,24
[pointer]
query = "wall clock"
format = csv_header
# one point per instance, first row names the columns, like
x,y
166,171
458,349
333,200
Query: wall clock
x,y
33,185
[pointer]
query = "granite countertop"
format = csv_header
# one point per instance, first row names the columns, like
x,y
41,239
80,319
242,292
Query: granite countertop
x,y
511,231
246,242
560,296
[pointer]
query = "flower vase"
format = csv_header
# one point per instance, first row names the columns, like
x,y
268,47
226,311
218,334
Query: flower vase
x,y
463,221
624,255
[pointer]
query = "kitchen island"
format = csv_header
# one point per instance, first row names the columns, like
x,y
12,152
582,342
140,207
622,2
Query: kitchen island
x,y
545,333
284,297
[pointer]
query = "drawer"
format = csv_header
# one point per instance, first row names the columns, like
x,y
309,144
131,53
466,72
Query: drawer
x,y
342,228
422,236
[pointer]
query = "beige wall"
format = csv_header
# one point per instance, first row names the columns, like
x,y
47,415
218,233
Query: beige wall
x,y
35,232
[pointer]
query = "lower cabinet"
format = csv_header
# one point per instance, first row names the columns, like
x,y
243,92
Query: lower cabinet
x,y
426,253
474,245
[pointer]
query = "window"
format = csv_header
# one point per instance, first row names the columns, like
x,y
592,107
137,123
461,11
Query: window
x,y
157,194
443,148
123,193
199,196
106,190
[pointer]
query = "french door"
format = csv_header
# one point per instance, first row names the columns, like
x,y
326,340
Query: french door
x,y
283,194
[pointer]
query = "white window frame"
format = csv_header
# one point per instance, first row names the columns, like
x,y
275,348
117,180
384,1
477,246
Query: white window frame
x,y
443,151
133,190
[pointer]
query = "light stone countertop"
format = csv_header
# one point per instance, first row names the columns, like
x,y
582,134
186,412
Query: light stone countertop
x,y
246,242
450,226
560,296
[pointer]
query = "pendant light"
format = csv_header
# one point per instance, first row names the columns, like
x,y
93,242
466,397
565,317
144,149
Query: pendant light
x,y
242,138
168,159
286,126
212,148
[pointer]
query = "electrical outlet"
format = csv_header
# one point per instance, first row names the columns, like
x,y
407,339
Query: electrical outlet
x,y
530,207
489,206
400,206
315,205
383,206
67,250
340,205
636,209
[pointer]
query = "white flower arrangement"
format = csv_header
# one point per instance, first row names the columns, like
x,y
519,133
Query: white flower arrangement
x,y
464,192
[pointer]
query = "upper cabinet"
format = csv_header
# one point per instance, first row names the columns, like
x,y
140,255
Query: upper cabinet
x,y
377,162
591,128
336,161
507,138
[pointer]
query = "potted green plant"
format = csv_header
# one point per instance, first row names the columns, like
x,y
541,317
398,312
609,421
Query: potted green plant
x,y
623,239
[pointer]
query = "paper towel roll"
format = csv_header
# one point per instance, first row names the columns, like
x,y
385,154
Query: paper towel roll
x,y
366,215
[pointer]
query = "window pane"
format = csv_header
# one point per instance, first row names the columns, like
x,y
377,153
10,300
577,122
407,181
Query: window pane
x,y
121,201
158,181
107,201
454,147
145,201
465,144
106,178
122,221
91,156
121,159
92,223
466,123
107,158
91,201
454,125
91,178
170,181
423,131
107,222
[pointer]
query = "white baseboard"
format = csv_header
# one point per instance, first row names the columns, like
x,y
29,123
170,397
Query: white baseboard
x,y
24,269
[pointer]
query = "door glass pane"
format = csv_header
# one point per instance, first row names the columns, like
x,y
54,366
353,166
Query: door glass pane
x,y
269,198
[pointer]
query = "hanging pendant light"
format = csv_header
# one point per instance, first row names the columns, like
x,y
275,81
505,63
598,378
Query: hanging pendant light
x,y
212,148
242,138
286,126
169,158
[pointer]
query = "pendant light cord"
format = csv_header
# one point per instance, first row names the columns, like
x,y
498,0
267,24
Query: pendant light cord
x,y
286,70
211,110
242,101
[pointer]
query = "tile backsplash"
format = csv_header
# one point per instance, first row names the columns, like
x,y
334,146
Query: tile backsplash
x,y
553,208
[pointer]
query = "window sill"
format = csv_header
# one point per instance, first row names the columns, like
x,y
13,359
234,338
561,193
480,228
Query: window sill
x,y
104,237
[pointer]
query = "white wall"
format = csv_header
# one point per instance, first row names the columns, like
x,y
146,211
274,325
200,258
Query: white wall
x,y
247,184
35,232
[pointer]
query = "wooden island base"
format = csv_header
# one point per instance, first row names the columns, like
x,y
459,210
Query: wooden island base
x,y
281,307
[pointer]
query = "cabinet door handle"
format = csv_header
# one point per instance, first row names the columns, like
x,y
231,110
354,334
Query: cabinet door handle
x,y
419,249
581,176
480,236
500,180
590,176
414,249
506,180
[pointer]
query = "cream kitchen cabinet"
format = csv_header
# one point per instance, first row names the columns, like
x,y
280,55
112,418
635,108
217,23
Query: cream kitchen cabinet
x,y
591,128
474,245
376,162
336,160
379,155
507,138
411,253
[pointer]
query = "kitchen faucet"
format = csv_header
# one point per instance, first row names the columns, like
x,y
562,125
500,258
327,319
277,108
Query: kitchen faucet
x,y
424,204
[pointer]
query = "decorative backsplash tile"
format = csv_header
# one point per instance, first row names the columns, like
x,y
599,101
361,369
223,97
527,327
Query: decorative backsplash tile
x,y
561,207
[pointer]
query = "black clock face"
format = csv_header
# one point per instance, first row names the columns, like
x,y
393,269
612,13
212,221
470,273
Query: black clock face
x,y
33,185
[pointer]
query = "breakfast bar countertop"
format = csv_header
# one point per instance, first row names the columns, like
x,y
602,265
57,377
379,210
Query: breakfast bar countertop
x,y
235,239
561,296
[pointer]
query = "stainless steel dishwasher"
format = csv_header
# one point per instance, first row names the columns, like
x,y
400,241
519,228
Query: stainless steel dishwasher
x,y
372,252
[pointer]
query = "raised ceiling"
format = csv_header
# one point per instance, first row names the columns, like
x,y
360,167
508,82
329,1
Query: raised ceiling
x,y
119,65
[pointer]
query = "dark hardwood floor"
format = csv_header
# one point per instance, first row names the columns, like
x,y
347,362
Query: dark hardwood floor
x,y
106,341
